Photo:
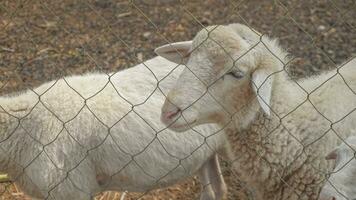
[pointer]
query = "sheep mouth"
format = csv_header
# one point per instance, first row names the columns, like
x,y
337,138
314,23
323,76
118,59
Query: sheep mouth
x,y
184,126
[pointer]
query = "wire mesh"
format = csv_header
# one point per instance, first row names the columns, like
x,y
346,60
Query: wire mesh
x,y
47,40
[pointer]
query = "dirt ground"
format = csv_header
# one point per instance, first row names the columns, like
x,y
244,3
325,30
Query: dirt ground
x,y
41,40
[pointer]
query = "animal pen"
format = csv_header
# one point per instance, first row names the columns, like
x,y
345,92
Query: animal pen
x,y
46,40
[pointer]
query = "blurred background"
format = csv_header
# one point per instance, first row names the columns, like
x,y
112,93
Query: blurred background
x,y
42,40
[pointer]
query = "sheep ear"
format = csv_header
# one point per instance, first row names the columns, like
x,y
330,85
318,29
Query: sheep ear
x,y
176,52
332,155
262,85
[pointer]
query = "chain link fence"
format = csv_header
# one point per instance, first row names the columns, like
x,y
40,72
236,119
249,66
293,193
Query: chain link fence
x,y
43,40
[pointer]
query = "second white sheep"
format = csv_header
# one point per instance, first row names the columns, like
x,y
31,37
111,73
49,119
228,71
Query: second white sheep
x,y
280,129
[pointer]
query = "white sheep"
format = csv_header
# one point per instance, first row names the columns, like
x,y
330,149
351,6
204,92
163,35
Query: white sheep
x,y
81,135
342,182
279,129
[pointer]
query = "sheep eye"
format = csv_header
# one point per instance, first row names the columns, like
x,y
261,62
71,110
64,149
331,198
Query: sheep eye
x,y
236,73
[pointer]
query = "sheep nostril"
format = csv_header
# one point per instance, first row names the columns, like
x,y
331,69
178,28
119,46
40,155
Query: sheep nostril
x,y
333,198
171,114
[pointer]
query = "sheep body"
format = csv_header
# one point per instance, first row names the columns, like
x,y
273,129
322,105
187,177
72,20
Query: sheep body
x,y
286,158
55,140
279,136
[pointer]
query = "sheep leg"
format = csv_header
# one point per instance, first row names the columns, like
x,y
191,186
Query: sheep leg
x,y
216,179
203,174
210,176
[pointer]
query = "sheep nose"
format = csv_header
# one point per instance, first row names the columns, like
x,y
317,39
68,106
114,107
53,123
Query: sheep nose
x,y
333,198
170,114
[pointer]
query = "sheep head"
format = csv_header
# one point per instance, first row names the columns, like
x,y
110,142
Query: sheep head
x,y
223,78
